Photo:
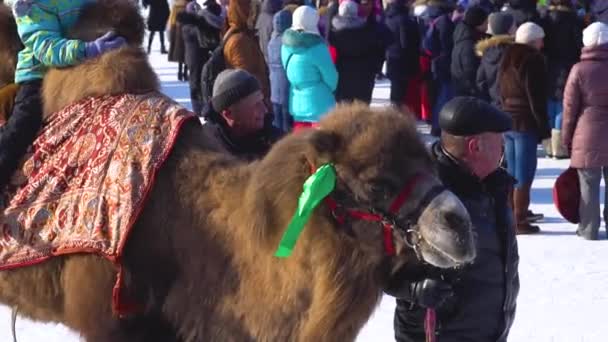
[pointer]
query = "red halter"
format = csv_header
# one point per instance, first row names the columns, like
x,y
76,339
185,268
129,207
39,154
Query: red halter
x,y
388,225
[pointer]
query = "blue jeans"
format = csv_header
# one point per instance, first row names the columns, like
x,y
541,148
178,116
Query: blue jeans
x,y
282,119
444,94
520,154
555,110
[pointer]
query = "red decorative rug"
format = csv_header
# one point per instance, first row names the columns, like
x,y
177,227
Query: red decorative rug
x,y
86,179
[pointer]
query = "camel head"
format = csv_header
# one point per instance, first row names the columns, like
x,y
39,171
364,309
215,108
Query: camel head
x,y
386,185
10,45
125,70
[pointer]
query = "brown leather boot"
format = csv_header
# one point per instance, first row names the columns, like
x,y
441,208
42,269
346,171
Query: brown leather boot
x,y
521,201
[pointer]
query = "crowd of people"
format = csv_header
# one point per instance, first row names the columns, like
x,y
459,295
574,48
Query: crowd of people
x,y
516,55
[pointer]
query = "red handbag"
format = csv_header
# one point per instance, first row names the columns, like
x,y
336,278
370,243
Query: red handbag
x,y
567,195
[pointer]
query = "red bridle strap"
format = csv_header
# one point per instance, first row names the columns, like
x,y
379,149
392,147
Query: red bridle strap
x,y
387,227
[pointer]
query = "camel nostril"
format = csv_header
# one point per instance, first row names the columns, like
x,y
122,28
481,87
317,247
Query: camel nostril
x,y
456,221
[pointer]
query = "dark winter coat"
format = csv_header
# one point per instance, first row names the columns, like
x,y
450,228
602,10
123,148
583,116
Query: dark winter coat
x,y
279,84
439,44
491,51
599,8
585,121
247,148
158,15
360,53
201,32
242,49
263,24
464,60
563,43
485,292
487,5
402,56
523,91
523,11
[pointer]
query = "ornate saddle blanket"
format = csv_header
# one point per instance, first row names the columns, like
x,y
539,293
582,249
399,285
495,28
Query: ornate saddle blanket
x,y
86,178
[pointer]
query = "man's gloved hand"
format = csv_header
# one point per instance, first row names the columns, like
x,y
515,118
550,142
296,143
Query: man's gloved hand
x,y
430,293
107,42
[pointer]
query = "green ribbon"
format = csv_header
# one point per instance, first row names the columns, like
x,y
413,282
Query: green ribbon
x,y
315,189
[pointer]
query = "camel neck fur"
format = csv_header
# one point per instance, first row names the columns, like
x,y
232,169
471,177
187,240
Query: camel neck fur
x,y
327,289
124,71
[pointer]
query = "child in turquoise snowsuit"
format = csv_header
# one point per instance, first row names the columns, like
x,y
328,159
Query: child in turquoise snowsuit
x,y
42,25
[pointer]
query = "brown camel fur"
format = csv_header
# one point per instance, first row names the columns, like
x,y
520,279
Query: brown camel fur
x,y
200,258
10,45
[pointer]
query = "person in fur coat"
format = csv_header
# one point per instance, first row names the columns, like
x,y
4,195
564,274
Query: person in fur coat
x,y
523,94
201,27
502,28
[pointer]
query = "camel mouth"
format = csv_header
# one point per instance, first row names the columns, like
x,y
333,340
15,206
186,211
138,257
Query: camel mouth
x,y
438,257
446,233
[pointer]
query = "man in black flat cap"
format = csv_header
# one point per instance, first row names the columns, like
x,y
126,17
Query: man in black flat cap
x,y
476,302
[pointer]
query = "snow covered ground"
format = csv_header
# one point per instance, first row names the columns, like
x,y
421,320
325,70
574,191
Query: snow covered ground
x,y
563,278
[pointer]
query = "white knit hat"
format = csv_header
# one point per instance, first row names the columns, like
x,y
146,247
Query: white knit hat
x,y
528,32
348,8
595,34
305,18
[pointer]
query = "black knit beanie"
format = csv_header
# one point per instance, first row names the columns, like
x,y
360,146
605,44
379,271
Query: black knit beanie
x,y
475,16
231,86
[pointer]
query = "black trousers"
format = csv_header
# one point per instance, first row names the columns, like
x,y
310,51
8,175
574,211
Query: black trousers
x,y
20,130
196,68
398,91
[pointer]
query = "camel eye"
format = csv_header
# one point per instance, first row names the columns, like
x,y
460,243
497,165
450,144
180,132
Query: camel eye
x,y
379,188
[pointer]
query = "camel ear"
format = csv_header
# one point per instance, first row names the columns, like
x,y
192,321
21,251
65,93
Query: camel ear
x,y
325,142
324,146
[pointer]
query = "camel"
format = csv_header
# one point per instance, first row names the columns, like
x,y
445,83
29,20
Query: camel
x,y
200,258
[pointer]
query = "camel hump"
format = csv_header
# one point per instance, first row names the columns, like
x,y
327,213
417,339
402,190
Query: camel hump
x,y
123,71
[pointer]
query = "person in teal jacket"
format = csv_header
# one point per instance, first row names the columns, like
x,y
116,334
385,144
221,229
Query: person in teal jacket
x,y
311,73
42,25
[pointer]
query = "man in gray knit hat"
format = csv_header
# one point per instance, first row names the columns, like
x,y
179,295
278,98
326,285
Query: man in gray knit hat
x,y
237,117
